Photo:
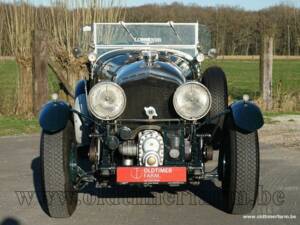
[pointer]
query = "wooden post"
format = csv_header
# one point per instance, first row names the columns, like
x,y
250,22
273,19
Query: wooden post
x,y
266,71
39,67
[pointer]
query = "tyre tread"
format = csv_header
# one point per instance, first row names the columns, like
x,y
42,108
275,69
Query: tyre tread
x,y
244,172
54,153
214,79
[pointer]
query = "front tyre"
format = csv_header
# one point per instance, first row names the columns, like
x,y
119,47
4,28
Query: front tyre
x,y
240,170
214,79
60,196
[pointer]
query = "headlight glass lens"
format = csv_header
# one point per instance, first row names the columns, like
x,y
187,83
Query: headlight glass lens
x,y
192,100
107,100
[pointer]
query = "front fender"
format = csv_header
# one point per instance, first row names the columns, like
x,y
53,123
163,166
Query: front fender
x,y
54,116
81,124
80,88
246,116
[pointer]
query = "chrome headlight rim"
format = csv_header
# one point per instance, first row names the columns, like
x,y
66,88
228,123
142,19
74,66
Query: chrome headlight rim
x,y
95,88
178,92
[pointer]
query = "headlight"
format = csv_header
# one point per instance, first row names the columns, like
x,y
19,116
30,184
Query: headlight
x,y
107,100
192,100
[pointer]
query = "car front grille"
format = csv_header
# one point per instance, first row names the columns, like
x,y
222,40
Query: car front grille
x,y
149,92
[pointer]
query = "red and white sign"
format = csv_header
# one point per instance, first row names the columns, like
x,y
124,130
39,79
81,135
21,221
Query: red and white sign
x,y
151,174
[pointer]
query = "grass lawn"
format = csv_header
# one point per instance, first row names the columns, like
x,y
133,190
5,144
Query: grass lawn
x,y
13,126
9,125
8,85
242,75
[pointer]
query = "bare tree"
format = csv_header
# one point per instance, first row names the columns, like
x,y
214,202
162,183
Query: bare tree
x,y
234,30
63,22
40,69
19,23
2,35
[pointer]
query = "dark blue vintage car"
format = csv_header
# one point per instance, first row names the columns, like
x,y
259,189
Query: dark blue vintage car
x,y
149,115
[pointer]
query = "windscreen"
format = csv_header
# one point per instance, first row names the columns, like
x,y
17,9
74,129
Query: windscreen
x,y
179,36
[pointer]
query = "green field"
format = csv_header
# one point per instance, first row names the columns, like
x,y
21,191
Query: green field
x,y
242,75
13,126
8,85
9,124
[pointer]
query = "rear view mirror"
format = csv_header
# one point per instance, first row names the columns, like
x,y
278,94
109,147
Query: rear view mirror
x,y
77,52
212,53
87,29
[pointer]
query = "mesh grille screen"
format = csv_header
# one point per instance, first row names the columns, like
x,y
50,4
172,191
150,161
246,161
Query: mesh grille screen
x,y
149,92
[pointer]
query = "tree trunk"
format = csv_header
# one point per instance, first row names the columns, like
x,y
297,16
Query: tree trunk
x,y
24,106
247,47
60,73
266,71
40,73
